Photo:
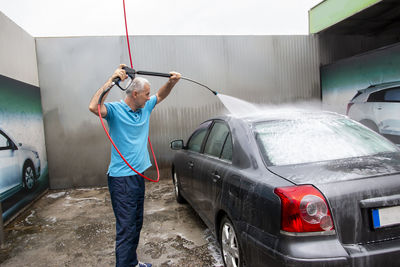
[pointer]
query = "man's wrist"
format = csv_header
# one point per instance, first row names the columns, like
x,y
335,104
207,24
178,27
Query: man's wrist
x,y
172,82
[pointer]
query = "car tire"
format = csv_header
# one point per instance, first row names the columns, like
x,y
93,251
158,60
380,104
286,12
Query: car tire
x,y
28,176
177,188
230,246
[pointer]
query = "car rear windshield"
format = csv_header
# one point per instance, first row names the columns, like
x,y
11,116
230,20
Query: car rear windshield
x,y
296,141
357,94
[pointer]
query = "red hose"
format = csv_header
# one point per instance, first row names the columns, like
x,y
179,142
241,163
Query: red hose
x,y
127,38
105,129
112,142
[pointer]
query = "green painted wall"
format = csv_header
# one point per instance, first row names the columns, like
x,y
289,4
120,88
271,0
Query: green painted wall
x,y
17,97
330,12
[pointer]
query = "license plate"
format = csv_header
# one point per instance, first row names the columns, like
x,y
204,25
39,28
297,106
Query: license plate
x,y
386,216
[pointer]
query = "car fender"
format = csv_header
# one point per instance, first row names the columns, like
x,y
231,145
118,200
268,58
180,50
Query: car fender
x,y
370,124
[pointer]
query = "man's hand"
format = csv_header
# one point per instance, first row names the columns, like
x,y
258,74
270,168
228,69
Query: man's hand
x,y
175,76
120,72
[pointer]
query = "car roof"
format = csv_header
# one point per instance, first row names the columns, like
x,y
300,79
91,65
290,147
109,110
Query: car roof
x,y
378,87
2,130
8,135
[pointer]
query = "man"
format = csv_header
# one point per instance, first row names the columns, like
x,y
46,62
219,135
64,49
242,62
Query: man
x,y
128,122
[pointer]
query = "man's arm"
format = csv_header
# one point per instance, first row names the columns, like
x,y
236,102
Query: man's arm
x,y
95,99
164,91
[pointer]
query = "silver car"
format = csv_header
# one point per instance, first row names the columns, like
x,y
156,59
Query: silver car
x,y
378,107
19,166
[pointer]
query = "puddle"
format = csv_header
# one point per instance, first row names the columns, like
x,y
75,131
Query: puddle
x,y
56,195
214,248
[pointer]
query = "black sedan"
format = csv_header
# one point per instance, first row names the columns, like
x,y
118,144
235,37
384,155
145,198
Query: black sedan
x,y
293,189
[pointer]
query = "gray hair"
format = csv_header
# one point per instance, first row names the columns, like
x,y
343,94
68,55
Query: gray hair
x,y
137,85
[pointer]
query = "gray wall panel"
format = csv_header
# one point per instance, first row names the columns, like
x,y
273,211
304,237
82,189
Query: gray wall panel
x,y
260,69
17,52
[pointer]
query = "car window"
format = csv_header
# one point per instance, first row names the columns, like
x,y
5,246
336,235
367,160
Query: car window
x,y
392,95
227,149
376,97
216,139
4,144
296,141
196,140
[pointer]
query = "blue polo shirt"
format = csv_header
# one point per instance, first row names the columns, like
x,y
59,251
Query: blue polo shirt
x,y
129,130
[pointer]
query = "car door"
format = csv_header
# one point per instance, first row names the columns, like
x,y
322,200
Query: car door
x,y
215,166
10,174
189,164
388,112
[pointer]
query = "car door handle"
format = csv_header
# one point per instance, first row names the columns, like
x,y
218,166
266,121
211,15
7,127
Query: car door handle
x,y
379,108
190,164
216,176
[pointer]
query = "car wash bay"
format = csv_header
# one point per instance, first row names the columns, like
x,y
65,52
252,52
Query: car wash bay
x,y
72,223
78,151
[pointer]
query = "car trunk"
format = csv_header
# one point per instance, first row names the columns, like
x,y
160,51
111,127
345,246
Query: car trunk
x,y
356,190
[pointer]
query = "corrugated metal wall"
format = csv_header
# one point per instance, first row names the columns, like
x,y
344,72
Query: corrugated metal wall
x,y
260,69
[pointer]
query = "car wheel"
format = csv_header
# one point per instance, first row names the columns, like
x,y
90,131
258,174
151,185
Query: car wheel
x,y
28,176
230,247
177,189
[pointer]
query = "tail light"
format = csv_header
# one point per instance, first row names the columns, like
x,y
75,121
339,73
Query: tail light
x,y
304,209
348,107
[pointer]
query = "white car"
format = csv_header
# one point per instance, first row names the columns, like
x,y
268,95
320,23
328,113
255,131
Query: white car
x,y
19,166
378,107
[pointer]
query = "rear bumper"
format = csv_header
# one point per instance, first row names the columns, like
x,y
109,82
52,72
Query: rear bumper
x,y
385,253
320,251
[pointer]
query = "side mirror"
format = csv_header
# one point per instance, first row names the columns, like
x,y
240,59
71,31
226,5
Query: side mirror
x,y
177,144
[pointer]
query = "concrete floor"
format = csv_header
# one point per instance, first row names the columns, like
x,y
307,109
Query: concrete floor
x,y
77,228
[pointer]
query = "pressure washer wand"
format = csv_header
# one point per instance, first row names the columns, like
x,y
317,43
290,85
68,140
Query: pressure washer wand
x,y
132,73
193,81
150,73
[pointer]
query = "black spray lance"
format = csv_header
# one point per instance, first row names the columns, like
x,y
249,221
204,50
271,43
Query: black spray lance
x,y
132,73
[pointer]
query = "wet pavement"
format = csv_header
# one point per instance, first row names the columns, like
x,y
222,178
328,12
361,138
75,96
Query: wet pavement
x,y
77,228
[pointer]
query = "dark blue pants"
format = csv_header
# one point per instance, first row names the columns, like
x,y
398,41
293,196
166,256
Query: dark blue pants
x,y
127,199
